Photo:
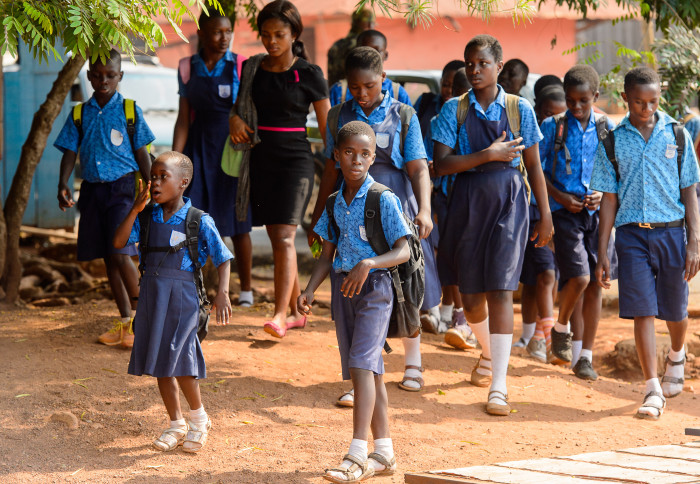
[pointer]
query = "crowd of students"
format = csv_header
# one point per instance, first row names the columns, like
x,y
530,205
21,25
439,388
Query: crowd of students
x,y
499,193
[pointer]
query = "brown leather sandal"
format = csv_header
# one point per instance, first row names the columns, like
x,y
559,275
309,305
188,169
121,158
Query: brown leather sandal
x,y
672,379
418,379
477,379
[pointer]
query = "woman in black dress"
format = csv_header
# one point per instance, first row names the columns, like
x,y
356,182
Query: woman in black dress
x,y
281,165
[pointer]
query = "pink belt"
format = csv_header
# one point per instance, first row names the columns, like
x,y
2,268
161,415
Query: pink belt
x,y
271,128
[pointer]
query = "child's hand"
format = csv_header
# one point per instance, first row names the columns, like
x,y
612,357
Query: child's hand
x,y
602,270
352,285
304,302
222,304
142,197
424,223
502,150
543,231
592,201
692,258
239,130
572,203
431,169
65,199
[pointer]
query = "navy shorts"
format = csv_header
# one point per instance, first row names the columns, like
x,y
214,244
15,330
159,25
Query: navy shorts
x,y
576,245
362,322
537,259
102,207
652,267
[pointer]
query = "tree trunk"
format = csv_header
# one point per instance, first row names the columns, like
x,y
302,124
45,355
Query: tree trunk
x,y
32,151
3,228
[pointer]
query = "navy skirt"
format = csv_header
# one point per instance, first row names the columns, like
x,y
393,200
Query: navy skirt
x,y
483,241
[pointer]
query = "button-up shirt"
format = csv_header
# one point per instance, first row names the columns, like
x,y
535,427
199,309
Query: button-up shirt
x,y
199,68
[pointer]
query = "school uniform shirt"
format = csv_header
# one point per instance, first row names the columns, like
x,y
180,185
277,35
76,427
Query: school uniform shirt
x,y
649,186
336,92
582,145
439,182
445,131
352,243
106,153
693,127
210,243
413,148
199,68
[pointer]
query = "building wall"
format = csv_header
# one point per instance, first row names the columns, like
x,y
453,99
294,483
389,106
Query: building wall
x,y
415,48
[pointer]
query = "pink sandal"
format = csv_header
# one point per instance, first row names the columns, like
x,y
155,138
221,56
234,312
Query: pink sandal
x,y
274,330
299,323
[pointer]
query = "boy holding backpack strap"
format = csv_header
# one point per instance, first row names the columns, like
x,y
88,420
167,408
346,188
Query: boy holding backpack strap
x,y
362,298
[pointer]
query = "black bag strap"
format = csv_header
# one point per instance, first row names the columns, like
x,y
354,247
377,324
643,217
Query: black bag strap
x,y
561,131
607,138
193,221
373,219
333,121
145,217
425,101
333,228
680,146
406,113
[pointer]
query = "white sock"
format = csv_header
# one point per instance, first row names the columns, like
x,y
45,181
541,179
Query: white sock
x,y
561,328
500,355
528,331
588,354
675,371
385,448
446,312
481,331
411,347
358,449
199,417
652,385
576,346
246,296
677,355
179,424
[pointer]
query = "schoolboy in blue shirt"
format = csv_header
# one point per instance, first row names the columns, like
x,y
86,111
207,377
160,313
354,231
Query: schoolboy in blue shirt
x,y
377,41
362,299
108,164
486,230
653,207
400,166
575,215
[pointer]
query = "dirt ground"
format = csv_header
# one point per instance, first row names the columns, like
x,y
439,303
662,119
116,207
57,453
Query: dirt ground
x,y
272,404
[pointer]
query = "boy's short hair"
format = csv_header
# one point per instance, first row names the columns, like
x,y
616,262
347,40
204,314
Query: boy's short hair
x,y
364,58
204,19
553,92
370,34
546,80
580,75
640,76
356,128
182,162
517,66
486,41
452,66
460,83
113,57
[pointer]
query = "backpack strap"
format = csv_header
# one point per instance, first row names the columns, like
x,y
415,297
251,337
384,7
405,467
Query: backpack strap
x,y
78,120
406,113
333,228
130,115
513,114
425,101
145,217
343,90
193,221
185,69
462,110
332,122
373,219
607,139
678,129
395,88
561,131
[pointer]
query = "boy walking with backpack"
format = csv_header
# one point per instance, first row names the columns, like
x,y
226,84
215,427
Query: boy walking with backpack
x,y
112,137
362,298
647,171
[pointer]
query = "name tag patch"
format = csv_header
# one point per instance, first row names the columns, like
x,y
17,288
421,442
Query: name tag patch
x,y
116,137
671,151
363,233
383,140
176,237
224,90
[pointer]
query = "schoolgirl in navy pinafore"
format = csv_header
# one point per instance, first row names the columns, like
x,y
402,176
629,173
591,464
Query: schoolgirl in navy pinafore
x,y
483,239
212,190
165,325
385,172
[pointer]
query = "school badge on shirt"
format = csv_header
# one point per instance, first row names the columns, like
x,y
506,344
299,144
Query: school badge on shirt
x,y
176,237
116,137
363,233
383,140
224,90
671,151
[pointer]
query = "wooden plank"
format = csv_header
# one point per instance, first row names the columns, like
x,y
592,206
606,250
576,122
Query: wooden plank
x,y
692,432
669,451
692,444
592,470
504,475
425,478
625,460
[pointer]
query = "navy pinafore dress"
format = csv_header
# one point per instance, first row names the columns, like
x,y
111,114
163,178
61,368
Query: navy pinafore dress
x,y
211,189
165,325
483,239
385,172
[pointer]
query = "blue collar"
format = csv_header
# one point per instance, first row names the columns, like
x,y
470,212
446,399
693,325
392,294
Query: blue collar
x,y
116,98
661,123
591,120
500,99
386,101
362,192
228,56
181,214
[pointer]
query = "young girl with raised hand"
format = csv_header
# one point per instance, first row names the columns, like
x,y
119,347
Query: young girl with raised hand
x,y
166,345
487,219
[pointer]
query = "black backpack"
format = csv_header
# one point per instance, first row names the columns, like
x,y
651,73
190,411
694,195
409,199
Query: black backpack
x,y
408,279
608,140
191,242
561,132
